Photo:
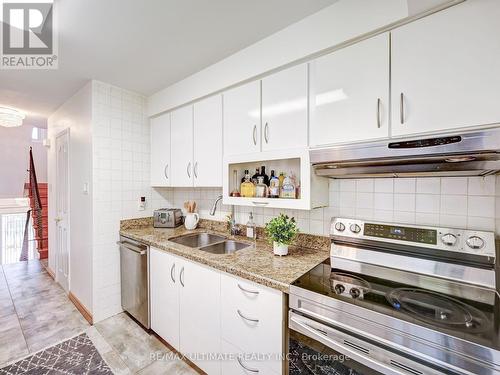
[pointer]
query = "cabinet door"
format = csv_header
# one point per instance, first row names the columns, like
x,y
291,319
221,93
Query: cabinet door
x,y
200,314
284,109
242,119
445,70
164,280
207,168
160,150
182,146
349,97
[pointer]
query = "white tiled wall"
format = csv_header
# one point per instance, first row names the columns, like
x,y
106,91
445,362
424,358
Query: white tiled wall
x,y
452,201
121,165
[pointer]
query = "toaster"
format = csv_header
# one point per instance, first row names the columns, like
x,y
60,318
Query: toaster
x,y
167,218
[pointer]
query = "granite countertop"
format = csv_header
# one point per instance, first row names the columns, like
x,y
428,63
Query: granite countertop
x,y
256,263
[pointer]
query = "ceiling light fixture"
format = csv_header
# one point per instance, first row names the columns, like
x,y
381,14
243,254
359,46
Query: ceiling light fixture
x,y
10,117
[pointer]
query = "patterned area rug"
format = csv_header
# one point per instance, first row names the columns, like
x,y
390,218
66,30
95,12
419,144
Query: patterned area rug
x,y
76,356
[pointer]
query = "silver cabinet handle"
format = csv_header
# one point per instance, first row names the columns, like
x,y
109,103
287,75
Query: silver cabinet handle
x,y
196,170
248,291
172,270
402,108
165,171
247,318
188,169
266,132
255,135
131,247
260,203
181,276
254,370
378,113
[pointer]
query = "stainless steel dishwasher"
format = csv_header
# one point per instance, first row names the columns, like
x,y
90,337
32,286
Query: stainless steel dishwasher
x,y
134,260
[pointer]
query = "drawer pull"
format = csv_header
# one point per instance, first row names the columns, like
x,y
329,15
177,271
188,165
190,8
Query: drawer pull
x,y
248,291
246,318
254,370
172,270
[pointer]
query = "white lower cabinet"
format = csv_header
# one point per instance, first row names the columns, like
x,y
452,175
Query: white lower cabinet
x,y
208,315
164,294
185,308
200,315
252,321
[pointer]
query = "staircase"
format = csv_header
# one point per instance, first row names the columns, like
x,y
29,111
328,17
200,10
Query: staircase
x,y
38,195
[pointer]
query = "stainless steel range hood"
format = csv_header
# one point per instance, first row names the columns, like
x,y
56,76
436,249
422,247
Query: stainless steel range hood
x,y
461,154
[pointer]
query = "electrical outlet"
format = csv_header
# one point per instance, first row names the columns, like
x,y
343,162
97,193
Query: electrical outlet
x,y
142,203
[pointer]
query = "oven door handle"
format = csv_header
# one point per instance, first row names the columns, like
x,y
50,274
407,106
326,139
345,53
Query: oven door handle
x,y
319,332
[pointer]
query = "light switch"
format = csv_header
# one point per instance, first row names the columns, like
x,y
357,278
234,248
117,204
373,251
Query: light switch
x,y
86,188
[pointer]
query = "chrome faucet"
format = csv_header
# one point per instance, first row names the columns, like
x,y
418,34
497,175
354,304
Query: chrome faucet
x,y
214,207
233,226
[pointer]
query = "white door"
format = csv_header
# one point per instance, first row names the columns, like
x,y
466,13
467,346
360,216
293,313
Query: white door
x,y
164,281
445,70
242,125
349,95
200,314
284,109
160,151
207,168
182,147
62,210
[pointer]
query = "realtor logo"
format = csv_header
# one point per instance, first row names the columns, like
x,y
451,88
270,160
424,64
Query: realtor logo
x,y
28,35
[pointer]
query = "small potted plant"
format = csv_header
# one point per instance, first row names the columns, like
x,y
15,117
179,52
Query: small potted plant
x,y
281,231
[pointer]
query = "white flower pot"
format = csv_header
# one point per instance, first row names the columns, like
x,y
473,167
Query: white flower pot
x,y
280,248
191,221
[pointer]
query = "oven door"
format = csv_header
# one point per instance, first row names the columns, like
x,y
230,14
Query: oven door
x,y
317,348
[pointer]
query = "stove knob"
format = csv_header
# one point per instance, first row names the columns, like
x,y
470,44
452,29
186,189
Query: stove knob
x,y
475,242
355,228
449,239
354,292
339,289
339,226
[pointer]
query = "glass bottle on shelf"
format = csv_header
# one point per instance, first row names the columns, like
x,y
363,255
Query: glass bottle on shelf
x,y
235,192
274,186
281,178
247,188
263,174
245,175
254,177
260,188
288,189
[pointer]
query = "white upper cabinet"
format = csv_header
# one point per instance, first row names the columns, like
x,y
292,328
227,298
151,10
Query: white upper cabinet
x,y
284,109
207,169
160,151
182,146
242,127
445,70
349,93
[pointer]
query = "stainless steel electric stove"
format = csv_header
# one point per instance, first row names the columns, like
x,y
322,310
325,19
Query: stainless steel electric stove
x,y
398,299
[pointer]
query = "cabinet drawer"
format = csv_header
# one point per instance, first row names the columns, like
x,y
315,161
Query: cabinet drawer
x,y
238,362
252,317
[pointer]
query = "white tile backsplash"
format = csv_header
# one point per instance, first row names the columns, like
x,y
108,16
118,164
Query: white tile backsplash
x,y
451,202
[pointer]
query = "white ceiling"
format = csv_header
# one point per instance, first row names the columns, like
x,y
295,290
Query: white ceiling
x,y
145,46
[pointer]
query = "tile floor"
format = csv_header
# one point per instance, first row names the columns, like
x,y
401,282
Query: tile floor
x,y
35,313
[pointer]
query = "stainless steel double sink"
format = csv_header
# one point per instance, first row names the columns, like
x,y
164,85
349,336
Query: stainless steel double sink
x,y
211,243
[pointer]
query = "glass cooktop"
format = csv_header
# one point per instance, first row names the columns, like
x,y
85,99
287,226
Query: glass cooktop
x,y
465,318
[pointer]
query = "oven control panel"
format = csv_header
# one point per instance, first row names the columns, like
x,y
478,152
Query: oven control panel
x,y
438,238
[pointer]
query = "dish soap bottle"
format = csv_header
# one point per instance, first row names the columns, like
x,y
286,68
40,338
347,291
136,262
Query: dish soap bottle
x,y
251,232
274,186
247,188
288,189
